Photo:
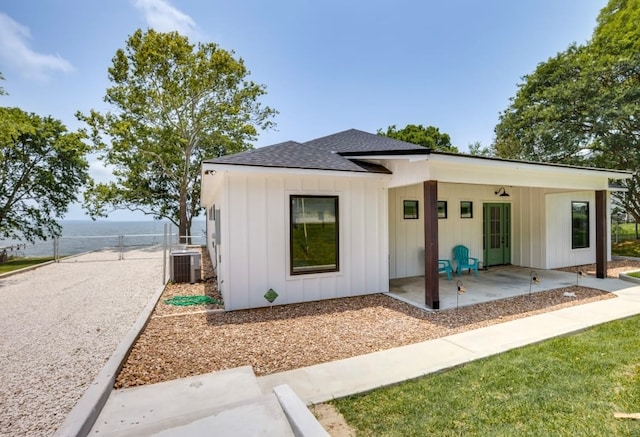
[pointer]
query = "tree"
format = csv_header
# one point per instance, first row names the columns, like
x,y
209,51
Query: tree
x,y
2,91
175,105
42,168
582,106
477,149
429,137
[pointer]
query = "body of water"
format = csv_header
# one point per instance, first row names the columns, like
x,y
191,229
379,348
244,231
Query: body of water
x,y
79,236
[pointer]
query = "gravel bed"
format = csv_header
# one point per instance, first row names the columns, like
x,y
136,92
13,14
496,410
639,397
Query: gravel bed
x,y
60,323
292,336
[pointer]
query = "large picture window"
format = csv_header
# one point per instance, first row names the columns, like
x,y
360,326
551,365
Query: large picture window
x,y
579,225
314,234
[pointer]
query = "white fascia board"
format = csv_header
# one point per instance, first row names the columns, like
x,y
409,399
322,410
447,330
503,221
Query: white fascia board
x,y
290,171
533,166
501,164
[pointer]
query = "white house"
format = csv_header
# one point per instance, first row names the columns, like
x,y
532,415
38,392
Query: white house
x,y
343,214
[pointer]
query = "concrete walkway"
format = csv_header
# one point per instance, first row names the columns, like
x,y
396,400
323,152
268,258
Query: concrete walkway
x,y
236,403
336,379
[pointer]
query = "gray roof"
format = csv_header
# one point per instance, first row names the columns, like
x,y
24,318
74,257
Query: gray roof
x,y
322,153
355,141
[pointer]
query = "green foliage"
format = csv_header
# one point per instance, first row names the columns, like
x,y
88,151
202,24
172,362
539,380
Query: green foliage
x,y
568,386
429,137
582,106
42,168
175,105
2,91
626,248
477,149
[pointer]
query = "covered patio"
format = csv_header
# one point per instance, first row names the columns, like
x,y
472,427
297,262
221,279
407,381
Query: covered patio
x,y
500,282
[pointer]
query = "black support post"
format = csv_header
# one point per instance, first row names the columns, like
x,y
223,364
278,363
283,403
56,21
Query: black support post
x,y
601,234
431,279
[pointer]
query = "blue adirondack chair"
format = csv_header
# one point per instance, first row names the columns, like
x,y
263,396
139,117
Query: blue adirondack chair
x,y
463,260
444,265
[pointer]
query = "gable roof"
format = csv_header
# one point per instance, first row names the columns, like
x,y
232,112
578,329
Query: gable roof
x,y
322,153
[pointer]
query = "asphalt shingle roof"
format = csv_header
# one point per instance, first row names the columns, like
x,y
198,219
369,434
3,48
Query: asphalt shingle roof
x,y
354,141
321,153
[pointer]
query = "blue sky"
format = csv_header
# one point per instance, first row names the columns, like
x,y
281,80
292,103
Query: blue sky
x,y
327,65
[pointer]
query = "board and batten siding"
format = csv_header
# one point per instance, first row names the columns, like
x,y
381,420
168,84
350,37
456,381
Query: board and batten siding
x,y
558,220
528,233
406,236
259,257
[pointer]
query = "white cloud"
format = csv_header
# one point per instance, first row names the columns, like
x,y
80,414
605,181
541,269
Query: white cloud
x,y
15,52
100,172
160,15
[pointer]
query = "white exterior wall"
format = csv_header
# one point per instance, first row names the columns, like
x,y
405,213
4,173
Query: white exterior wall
x,y
558,219
540,227
254,249
528,235
406,239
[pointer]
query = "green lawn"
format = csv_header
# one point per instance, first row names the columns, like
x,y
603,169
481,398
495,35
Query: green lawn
x,y
19,263
569,386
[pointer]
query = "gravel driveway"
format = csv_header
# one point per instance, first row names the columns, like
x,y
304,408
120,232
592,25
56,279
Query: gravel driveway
x,y
59,324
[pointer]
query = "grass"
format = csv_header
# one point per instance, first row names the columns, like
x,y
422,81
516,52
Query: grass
x,y
569,386
626,248
20,263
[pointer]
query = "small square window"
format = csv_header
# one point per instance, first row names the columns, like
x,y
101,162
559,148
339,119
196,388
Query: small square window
x,y
466,209
442,209
410,209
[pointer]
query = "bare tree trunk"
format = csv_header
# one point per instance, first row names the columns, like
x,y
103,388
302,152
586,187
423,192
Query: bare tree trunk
x,y
183,228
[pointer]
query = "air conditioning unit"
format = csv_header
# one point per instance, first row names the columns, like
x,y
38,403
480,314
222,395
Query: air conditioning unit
x,y
185,266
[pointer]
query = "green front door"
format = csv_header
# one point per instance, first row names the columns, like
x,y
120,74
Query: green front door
x,y
496,221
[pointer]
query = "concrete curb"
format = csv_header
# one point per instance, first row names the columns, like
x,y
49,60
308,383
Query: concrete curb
x,y
37,266
302,421
629,278
25,269
84,414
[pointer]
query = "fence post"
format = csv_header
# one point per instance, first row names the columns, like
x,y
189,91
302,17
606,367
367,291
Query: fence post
x,y
121,244
164,256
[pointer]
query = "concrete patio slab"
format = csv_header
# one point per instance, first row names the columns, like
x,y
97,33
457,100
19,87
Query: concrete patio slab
x,y
495,283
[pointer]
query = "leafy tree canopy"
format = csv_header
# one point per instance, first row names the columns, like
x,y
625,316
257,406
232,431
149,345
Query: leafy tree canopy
x,y
429,137
582,106
42,168
175,104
